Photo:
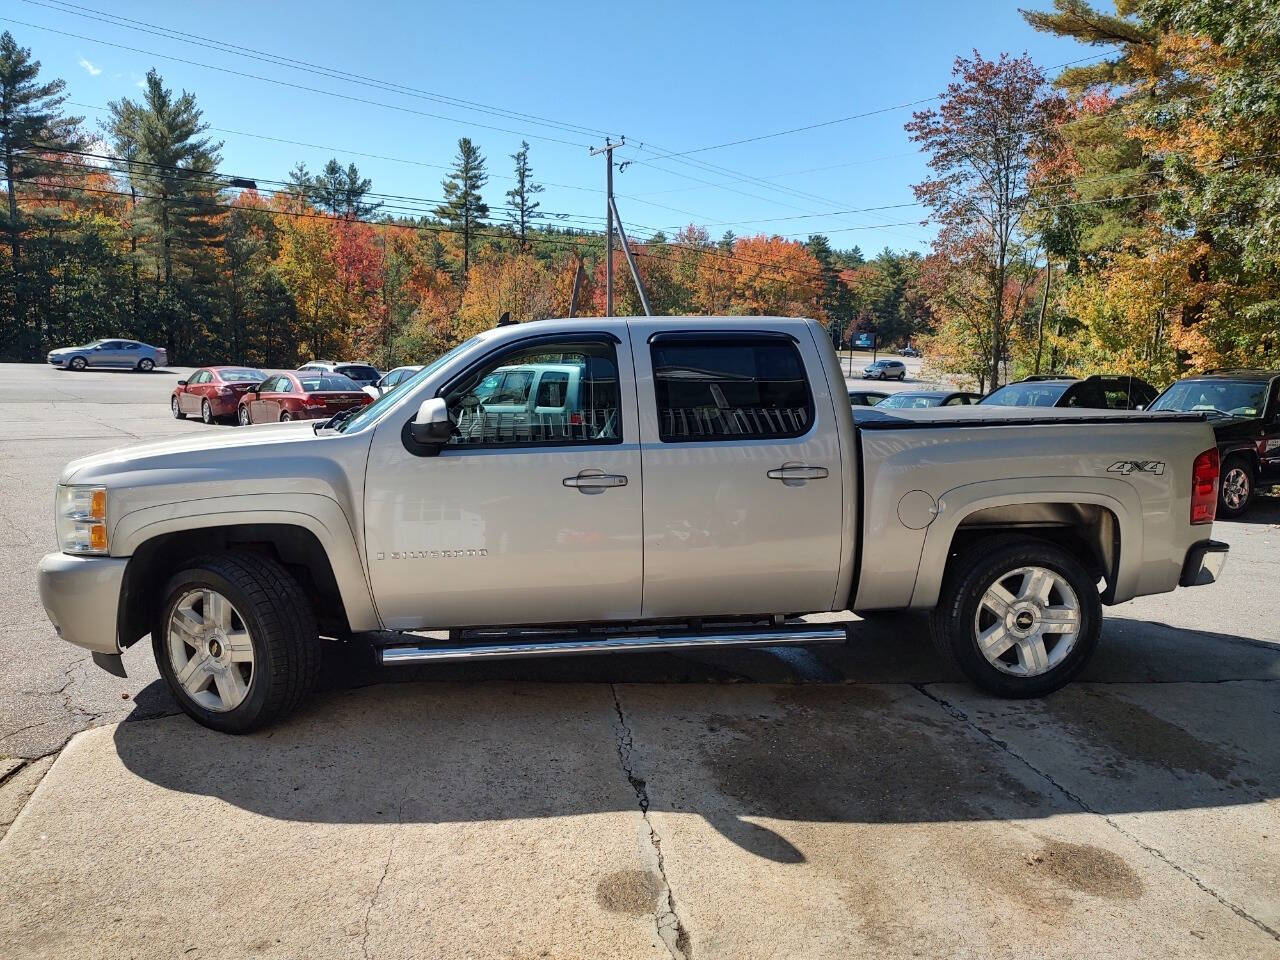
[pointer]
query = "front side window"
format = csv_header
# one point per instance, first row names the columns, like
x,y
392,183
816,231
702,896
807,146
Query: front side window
x,y
498,404
730,389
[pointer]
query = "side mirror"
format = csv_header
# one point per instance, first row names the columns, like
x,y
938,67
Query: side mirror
x,y
182,383
1141,406
431,425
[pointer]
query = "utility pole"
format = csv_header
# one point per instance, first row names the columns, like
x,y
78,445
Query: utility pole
x,y
607,150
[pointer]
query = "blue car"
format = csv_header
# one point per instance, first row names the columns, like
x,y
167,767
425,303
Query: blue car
x,y
120,354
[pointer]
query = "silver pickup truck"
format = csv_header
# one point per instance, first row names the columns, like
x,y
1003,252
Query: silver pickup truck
x,y
666,483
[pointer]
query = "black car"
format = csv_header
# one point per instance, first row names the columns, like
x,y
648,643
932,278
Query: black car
x,y
865,398
1099,392
1243,406
923,399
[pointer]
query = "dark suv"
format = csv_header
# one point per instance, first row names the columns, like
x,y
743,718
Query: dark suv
x,y
1100,392
1243,406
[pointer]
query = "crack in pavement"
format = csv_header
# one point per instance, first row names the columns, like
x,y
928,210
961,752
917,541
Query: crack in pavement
x,y
671,930
958,714
386,868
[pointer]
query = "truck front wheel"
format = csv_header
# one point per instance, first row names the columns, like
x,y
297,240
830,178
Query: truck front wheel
x,y
1019,616
236,641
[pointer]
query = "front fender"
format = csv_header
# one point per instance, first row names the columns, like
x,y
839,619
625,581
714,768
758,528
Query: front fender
x,y
319,514
956,504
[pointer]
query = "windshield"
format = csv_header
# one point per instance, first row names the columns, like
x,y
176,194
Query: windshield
x,y
911,401
369,413
1035,394
1232,398
327,382
245,375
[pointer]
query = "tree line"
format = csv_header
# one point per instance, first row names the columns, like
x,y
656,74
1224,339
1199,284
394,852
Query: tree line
x,y
133,230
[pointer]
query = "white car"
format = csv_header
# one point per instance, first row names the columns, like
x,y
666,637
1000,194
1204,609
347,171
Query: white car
x,y
390,380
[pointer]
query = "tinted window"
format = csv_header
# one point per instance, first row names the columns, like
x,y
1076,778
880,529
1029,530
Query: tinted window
x,y
553,389
730,389
330,381
131,346
357,371
956,401
1085,396
1033,394
490,406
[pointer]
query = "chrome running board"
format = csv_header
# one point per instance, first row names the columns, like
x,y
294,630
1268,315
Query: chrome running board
x,y
575,645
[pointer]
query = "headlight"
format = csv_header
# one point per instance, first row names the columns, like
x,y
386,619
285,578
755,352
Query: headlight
x,y
80,518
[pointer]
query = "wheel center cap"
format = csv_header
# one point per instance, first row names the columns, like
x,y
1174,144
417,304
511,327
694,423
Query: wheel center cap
x,y
1024,620
215,648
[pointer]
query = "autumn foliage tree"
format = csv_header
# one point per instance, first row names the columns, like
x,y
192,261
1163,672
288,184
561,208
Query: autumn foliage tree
x,y
995,118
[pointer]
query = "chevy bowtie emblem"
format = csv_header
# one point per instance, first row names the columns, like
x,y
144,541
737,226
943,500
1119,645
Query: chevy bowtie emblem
x,y
1127,467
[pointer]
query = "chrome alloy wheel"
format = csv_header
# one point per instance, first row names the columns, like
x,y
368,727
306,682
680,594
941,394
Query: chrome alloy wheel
x,y
242,414
210,650
1235,487
1027,621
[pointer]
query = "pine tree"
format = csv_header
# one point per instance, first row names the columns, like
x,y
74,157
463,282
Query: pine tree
x,y
174,175
341,192
32,128
463,207
520,198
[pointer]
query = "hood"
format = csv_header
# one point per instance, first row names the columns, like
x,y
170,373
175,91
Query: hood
x,y
84,346
188,449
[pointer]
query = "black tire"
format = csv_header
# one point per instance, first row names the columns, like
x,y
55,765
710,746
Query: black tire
x,y
206,412
77,364
242,415
282,626
953,622
285,416
176,408
1236,487
146,364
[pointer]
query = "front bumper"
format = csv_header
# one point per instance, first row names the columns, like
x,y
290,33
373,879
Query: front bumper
x,y
1204,563
81,595
56,361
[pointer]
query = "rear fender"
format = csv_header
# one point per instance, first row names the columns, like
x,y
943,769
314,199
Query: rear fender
x,y
958,503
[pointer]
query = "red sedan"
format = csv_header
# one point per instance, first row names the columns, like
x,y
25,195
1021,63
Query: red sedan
x,y
300,395
213,392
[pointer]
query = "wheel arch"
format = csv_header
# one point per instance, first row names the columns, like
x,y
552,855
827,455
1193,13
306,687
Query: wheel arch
x,y
330,573
1093,522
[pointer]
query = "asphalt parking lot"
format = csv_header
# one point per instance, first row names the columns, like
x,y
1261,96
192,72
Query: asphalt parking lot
x,y
850,801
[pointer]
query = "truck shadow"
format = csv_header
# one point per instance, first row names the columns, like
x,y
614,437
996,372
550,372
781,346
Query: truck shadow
x,y
1167,719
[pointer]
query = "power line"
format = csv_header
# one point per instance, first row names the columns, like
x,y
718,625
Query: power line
x,y
346,151
264,56
296,86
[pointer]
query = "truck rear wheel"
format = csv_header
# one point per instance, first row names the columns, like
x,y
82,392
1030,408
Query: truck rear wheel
x,y
236,642
1019,616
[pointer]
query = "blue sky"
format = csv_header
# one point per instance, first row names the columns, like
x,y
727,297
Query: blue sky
x,y
668,76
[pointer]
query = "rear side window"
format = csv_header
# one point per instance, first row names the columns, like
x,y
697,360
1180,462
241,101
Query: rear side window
x,y
730,389
357,372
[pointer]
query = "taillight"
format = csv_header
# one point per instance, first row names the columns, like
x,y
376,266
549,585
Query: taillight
x,y
1204,486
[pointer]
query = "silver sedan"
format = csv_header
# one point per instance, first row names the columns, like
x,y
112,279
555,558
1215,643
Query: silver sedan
x,y
120,354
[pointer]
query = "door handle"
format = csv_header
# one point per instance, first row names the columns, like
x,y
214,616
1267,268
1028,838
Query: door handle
x,y
595,481
798,471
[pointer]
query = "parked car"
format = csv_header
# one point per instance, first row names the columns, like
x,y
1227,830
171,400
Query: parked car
x,y
885,370
120,354
923,399
1243,407
1099,392
361,373
705,486
908,351
213,392
299,396
390,380
865,398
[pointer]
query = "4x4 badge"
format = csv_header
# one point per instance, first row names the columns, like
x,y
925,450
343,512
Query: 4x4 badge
x,y
1127,467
